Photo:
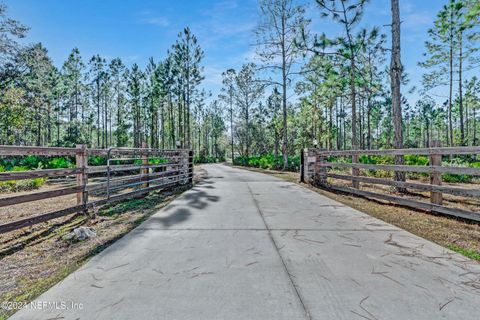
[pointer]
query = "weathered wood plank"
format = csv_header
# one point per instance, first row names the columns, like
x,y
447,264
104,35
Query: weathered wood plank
x,y
418,186
412,203
419,151
59,151
184,171
405,168
22,175
37,151
132,151
60,213
129,180
38,219
128,195
38,196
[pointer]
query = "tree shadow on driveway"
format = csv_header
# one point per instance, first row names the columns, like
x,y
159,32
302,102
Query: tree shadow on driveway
x,y
197,198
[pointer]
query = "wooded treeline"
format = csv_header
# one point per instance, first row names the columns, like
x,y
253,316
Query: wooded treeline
x,y
334,91
103,103
340,85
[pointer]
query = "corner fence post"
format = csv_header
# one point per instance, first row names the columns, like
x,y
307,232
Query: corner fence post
x,y
436,177
81,158
309,160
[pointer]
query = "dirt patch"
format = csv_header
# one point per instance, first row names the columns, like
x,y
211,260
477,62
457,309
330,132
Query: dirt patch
x,y
458,235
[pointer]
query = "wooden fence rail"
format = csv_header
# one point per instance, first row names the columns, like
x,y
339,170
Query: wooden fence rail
x,y
315,170
176,168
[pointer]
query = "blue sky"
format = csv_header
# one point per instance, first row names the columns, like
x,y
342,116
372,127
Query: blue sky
x,y
137,30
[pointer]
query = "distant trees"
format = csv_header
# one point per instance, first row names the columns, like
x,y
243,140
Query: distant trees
x,y
247,92
345,89
12,116
11,31
35,81
186,57
97,73
281,25
227,96
135,96
347,14
104,103
118,74
452,43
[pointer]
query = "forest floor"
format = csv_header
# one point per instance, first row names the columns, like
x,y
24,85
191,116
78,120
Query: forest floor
x,y
455,234
33,260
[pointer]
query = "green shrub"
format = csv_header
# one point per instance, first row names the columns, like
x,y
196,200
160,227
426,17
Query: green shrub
x,y
269,162
20,185
97,161
60,162
416,160
37,162
457,178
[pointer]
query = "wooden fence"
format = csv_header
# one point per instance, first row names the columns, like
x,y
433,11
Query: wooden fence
x,y
316,171
152,169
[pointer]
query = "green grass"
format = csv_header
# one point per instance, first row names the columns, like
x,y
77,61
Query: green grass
x,y
38,287
122,207
470,253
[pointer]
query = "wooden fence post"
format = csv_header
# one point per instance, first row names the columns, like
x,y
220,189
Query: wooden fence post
x,y
145,171
190,166
320,170
436,177
355,172
81,158
309,168
302,166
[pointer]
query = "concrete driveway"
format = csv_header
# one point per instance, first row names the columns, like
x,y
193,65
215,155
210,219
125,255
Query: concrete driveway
x,y
244,245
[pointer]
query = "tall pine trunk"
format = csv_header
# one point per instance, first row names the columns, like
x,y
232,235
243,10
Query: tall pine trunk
x,y
460,93
395,82
450,92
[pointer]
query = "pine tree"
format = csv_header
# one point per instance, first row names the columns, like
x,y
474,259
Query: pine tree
x,y
97,74
135,91
281,24
117,73
72,71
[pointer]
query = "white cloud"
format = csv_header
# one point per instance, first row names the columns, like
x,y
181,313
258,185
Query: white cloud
x,y
417,20
130,59
149,17
157,21
224,20
213,75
